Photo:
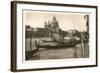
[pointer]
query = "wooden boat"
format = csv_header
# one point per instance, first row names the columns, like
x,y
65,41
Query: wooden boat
x,y
45,40
56,44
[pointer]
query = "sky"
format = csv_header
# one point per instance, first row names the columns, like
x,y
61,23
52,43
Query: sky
x,y
67,21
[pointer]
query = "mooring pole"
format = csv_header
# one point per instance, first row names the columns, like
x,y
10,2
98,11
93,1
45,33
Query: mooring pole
x,y
31,39
82,44
75,53
38,49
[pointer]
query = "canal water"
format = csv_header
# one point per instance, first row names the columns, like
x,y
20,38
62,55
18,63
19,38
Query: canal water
x,y
57,53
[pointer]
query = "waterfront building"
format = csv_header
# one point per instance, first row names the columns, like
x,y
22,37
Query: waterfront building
x,y
51,29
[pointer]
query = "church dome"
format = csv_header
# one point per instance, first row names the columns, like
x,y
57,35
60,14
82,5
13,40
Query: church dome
x,y
54,22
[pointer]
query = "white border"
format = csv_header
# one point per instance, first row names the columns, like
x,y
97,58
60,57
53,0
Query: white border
x,y
55,63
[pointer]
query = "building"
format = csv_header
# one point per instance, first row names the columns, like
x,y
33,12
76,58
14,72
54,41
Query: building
x,y
51,30
54,29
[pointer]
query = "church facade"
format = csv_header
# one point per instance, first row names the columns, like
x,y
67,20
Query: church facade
x,y
53,26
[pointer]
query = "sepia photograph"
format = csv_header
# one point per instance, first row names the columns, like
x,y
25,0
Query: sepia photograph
x,y
56,35
47,36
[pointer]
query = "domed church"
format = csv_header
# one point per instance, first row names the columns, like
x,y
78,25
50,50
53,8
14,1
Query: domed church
x,y
53,26
54,23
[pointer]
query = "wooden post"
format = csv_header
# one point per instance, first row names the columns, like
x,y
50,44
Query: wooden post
x,y
75,53
37,47
31,39
82,44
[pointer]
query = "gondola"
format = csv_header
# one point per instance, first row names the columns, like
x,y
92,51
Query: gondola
x,y
56,44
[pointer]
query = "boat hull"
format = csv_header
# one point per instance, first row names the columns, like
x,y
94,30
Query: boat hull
x,y
56,46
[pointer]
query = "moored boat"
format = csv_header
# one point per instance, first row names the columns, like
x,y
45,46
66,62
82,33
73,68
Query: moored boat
x,y
56,43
